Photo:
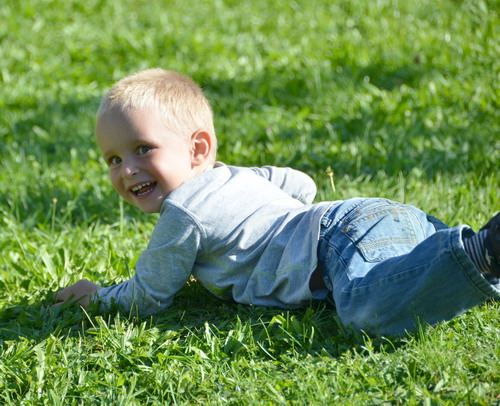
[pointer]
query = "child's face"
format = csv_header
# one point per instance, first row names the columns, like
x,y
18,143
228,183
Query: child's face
x,y
146,160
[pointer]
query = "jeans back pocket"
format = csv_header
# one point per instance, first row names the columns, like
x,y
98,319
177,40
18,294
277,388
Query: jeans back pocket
x,y
382,229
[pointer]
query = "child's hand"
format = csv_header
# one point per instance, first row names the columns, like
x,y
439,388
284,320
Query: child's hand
x,y
78,293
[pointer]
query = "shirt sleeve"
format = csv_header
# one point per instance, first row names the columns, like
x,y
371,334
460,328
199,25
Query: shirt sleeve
x,y
293,182
161,270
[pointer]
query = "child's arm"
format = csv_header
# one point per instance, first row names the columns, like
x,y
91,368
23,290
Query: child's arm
x,y
293,182
161,270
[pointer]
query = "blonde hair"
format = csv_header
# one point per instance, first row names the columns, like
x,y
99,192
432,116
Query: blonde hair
x,y
177,97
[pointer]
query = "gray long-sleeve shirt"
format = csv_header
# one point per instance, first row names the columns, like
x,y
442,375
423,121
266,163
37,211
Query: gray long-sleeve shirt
x,y
247,234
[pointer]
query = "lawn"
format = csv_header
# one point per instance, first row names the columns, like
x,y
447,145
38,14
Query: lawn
x,y
370,97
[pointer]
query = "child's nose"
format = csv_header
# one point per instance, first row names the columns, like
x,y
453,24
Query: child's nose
x,y
130,169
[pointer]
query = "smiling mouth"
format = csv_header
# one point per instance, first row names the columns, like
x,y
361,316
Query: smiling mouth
x,y
143,189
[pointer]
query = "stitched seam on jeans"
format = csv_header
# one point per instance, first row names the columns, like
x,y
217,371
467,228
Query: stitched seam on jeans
x,y
386,242
384,281
373,215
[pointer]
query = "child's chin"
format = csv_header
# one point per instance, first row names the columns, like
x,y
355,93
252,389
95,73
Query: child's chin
x,y
149,210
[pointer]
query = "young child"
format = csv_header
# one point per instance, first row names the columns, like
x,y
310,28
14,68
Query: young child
x,y
252,235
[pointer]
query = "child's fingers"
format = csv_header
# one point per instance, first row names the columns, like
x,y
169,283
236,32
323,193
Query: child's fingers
x,y
62,297
78,292
65,295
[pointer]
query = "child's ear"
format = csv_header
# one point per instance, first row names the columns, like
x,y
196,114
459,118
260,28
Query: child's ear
x,y
201,147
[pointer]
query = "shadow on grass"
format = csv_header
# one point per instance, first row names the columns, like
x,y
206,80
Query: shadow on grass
x,y
364,137
38,321
366,141
49,129
263,332
201,322
43,129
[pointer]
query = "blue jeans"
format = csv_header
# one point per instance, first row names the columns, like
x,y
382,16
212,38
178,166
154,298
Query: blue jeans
x,y
389,265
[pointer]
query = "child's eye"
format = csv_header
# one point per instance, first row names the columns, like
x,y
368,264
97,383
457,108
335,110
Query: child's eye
x,y
114,160
143,150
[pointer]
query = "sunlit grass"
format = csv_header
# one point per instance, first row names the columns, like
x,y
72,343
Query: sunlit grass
x,y
399,99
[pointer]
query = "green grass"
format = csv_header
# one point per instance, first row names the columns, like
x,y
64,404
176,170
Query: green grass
x,y
399,99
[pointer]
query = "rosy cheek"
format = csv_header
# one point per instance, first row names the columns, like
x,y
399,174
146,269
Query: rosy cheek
x,y
115,182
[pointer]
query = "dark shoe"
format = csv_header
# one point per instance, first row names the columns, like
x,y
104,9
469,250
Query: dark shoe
x,y
492,244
